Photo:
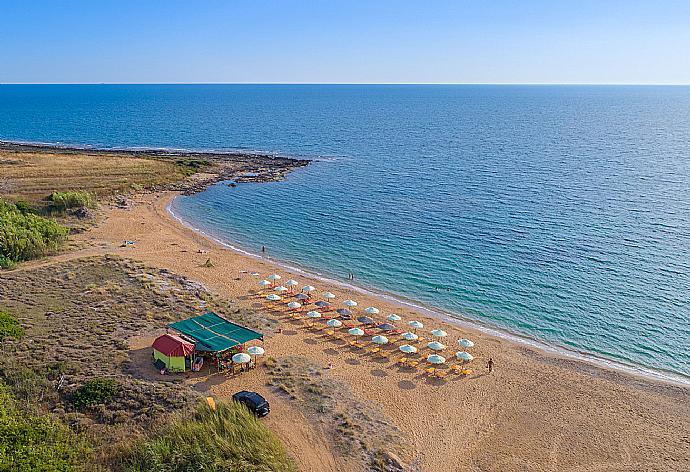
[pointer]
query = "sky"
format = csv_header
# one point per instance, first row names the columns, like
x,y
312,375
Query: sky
x,y
330,41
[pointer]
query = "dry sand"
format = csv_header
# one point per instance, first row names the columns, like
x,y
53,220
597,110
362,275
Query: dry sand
x,y
536,412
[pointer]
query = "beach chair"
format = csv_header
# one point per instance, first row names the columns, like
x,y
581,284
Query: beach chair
x,y
402,361
455,368
374,350
430,371
466,372
441,374
412,364
384,354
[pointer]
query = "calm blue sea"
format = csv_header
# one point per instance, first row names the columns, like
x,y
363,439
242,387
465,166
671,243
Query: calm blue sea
x,y
558,212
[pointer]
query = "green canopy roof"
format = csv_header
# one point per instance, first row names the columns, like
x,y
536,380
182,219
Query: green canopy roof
x,y
211,332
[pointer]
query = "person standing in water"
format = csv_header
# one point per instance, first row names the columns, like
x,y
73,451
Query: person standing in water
x,y
263,248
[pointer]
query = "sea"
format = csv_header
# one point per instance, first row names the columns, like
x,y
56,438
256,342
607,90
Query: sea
x,y
558,215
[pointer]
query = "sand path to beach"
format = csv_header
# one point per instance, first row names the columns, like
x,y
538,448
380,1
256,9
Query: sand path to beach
x,y
538,411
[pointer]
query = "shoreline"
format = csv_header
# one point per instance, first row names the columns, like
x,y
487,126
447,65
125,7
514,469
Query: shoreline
x,y
520,417
642,372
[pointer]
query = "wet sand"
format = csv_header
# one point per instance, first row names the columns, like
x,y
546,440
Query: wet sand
x,y
537,411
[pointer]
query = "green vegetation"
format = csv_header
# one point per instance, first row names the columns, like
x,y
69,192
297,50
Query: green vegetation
x,y
25,236
62,201
191,166
230,439
29,442
9,326
94,392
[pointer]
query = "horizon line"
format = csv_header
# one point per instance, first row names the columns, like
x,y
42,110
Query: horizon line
x,y
360,83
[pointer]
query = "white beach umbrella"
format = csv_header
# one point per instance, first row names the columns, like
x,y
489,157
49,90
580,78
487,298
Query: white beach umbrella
x,y
294,305
355,332
241,358
371,310
439,333
393,317
292,283
334,323
308,288
272,297
436,359
409,336
328,295
464,356
256,351
313,314
465,342
281,289
378,339
350,303
265,283
274,277
436,346
416,324
407,349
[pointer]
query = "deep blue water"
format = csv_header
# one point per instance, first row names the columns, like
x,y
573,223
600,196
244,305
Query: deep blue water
x,y
558,212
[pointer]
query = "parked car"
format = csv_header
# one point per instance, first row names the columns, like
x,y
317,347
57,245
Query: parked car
x,y
254,402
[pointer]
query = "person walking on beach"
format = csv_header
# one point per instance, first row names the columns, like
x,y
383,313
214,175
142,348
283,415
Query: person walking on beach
x,y
490,365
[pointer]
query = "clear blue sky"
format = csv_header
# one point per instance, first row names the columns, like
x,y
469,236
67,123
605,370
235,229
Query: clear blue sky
x,y
492,41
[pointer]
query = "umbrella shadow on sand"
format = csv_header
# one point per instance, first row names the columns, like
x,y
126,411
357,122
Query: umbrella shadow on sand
x,y
352,361
407,385
378,373
330,351
310,341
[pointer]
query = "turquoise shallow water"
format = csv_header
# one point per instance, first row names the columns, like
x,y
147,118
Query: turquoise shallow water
x,y
561,213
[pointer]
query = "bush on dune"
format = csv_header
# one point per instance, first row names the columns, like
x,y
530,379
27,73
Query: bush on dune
x,y
25,236
229,439
35,443
62,201
9,326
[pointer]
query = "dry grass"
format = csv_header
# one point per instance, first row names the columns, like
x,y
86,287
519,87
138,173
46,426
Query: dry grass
x,y
77,317
32,176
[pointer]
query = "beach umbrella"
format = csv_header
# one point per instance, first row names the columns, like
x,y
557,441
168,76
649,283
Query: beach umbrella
x,y
301,296
322,304
294,305
407,349
313,314
436,346
256,351
241,358
344,312
272,297
393,317
292,283
379,339
308,288
365,320
415,324
334,323
350,303
371,310
355,332
386,327
439,333
409,336
328,295
281,289
465,342
436,359
274,277
464,356
265,283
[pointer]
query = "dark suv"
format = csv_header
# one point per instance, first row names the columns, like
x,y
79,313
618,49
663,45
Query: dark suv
x,y
253,401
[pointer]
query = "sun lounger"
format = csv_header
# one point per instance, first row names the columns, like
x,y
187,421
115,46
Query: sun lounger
x,y
374,350
402,361
430,371
384,354
466,372
413,364
441,374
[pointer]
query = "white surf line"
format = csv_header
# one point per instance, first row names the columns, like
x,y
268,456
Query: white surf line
x,y
453,318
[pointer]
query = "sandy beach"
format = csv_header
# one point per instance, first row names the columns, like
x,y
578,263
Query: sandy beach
x,y
537,411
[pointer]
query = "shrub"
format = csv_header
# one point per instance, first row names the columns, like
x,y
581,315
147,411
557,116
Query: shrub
x,y
62,201
37,443
10,326
93,392
228,439
25,236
